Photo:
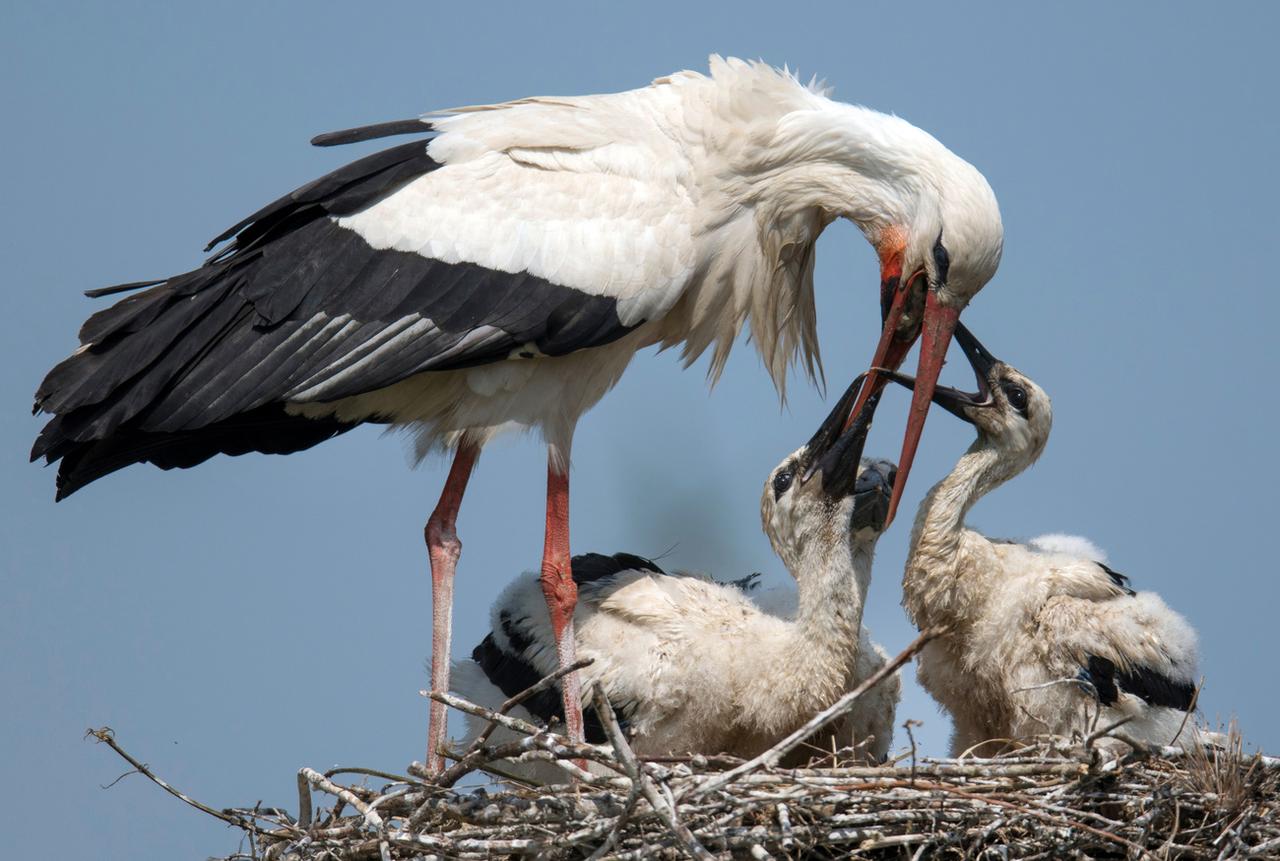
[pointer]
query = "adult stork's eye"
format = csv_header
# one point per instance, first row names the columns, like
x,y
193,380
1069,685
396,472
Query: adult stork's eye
x,y
1017,396
782,482
941,259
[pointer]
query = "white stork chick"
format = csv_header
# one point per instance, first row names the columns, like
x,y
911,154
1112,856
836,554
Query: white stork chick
x,y
694,666
502,274
1043,638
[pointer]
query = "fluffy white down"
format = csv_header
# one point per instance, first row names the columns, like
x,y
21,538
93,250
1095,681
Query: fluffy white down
x,y
1030,622
1069,545
703,664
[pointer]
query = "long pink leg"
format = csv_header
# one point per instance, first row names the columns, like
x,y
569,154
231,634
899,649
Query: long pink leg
x,y
444,547
561,592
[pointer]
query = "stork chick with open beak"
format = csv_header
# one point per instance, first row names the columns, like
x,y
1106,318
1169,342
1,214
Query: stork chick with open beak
x,y
1042,636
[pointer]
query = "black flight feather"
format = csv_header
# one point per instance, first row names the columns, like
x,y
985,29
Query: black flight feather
x,y
121,288
365,174
372,132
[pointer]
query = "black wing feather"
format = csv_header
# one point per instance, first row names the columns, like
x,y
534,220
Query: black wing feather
x,y
122,288
1117,578
1152,687
205,361
412,126
590,567
355,185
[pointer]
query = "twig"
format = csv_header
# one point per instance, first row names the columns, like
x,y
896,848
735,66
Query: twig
x,y
372,772
784,824
319,781
1054,683
537,688
1105,731
539,737
1186,715
106,735
908,725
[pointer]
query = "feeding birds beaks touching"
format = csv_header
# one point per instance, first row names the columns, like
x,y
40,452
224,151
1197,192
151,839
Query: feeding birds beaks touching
x,y
958,402
923,308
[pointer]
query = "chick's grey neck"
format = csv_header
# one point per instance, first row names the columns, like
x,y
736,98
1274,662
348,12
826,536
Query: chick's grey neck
x,y
832,577
931,585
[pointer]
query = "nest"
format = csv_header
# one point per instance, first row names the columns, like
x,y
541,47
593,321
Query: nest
x,y
1057,798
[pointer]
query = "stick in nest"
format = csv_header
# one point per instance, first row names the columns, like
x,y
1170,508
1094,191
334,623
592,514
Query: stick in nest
x,y
107,736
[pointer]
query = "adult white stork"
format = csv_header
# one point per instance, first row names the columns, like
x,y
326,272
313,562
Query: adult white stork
x,y
694,666
1041,637
502,274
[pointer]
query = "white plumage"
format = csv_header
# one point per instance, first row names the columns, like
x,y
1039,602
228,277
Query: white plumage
x,y
1043,637
696,666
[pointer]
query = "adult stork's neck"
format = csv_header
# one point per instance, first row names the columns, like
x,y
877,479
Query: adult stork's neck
x,y
844,161
936,584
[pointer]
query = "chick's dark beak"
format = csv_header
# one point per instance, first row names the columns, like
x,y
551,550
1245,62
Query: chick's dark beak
x,y
834,424
871,494
839,462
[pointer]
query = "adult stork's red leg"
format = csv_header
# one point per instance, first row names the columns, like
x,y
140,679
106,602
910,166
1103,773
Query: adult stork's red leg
x,y
560,590
444,547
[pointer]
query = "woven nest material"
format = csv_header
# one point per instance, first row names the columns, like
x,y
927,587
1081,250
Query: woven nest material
x,y
1056,798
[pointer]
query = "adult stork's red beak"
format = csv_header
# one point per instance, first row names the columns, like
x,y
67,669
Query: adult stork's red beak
x,y
938,322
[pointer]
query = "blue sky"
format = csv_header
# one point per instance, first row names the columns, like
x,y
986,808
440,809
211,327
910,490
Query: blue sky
x,y
238,621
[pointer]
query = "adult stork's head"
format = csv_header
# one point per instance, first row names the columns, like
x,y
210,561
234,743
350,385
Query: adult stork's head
x,y
931,217
1010,412
941,244
825,497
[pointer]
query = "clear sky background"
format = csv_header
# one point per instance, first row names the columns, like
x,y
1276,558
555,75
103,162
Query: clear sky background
x,y
255,615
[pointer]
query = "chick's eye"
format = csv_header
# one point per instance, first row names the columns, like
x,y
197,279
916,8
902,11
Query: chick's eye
x,y
782,482
1017,397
